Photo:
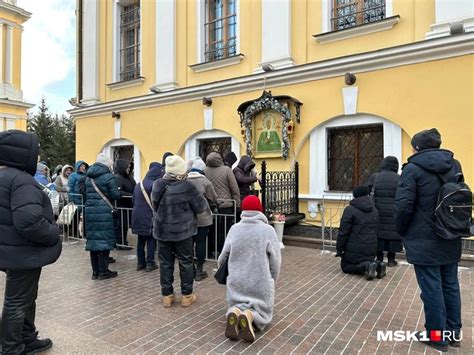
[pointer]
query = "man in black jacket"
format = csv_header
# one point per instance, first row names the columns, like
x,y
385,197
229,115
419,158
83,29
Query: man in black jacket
x,y
435,259
357,238
29,240
126,183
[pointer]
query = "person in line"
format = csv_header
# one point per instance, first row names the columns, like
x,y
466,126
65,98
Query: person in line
x,y
435,259
101,192
177,203
253,254
75,182
204,219
230,159
42,176
357,238
142,219
383,186
126,184
245,176
62,185
223,180
29,240
57,170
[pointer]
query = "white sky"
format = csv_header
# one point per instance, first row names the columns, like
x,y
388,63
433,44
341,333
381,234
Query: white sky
x,y
48,52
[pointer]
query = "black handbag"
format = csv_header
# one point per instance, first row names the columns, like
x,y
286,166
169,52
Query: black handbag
x,y
222,272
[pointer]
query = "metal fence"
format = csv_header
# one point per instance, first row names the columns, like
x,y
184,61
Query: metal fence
x,y
280,190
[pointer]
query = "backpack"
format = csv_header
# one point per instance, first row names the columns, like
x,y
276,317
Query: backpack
x,y
453,212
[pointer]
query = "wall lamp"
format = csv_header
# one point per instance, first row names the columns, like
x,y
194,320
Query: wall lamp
x,y
350,79
116,115
456,28
207,101
267,68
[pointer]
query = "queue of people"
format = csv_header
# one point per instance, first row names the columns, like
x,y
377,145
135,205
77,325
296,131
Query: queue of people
x,y
173,207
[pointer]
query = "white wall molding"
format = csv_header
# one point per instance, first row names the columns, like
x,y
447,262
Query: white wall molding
x,y
9,55
451,11
413,53
15,10
90,52
165,42
1,51
216,64
349,98
191,147
125,84
318,164
276,33
208,114
8,91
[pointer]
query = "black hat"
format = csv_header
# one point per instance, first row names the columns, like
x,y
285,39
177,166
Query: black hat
x,y
360,191
427,139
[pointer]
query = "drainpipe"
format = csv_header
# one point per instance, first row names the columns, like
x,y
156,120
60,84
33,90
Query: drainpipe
x,y
79,23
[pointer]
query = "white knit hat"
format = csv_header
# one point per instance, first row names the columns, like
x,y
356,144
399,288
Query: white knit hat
x,y
175,165
199,164
105,159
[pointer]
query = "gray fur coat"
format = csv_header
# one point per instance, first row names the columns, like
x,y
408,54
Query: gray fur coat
x,y
254,265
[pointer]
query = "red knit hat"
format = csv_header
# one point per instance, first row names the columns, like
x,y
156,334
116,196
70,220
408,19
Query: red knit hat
x,y
252,203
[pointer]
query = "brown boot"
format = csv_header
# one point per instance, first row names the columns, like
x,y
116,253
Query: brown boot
x,y
168,300
245,323
188,300
232,329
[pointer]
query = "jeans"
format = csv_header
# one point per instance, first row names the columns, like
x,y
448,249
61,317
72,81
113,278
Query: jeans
x,y
441,297
19,310
168,251
200,240
150,243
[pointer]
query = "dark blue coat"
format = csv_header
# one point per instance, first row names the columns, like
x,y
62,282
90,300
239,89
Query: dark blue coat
x,y
415,202
29,237
142,215
98,215
73,183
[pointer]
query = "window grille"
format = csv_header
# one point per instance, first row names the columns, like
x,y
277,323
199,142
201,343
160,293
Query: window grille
x,y
123,152
351,13
220,29
354,153
130,41
223,146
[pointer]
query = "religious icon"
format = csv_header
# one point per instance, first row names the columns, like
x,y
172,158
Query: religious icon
x,y
269,132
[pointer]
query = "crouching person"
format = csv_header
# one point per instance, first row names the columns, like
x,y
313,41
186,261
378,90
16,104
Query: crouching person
x,y
357,238
29,240
177,203
253,253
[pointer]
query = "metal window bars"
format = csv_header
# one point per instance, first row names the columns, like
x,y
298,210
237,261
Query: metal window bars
x,y
130,41
351,13
220,29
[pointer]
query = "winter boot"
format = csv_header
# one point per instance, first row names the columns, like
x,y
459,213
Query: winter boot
x,y
168,300
151,267
232,329
200,274
380,256
391,260
381,269
38,346
246,325
370,270
432,344
108,275
188,300
95,264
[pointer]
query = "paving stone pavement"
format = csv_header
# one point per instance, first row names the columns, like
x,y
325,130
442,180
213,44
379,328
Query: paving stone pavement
x,y
318,309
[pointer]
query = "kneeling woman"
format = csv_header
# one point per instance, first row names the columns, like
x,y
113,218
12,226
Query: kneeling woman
x,y
254,261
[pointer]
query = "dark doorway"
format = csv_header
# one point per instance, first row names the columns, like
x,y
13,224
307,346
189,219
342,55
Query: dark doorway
x,y
123,152
223,146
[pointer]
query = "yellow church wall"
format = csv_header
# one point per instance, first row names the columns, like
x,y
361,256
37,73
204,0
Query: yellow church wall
x,y
16,75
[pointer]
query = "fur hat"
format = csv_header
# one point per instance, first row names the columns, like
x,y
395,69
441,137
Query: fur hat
x,y
199,164
252,203
427,139
105,160
360,191
175,165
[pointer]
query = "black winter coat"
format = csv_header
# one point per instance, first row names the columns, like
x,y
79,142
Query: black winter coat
x,y
177,204
29,237
357,238
98,214
385,189
142,215
415,202
125,182
243,175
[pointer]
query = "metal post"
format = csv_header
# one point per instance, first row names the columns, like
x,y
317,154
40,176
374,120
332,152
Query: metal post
x,y
297,187
264,186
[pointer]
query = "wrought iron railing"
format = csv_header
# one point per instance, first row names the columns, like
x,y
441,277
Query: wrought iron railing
x,y
280,190
351,13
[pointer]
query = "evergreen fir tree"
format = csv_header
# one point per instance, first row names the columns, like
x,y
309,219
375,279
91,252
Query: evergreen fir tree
x,y
42,124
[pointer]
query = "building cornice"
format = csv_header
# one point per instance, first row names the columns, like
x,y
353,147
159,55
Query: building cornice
x,y
15,10
16,103
413,53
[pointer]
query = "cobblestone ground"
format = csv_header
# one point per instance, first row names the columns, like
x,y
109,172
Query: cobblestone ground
x,y
318,309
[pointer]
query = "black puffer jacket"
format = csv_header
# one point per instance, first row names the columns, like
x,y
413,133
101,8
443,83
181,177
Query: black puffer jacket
x,y
243,175
125,182
385,189
357,238
415,202
29,237
177,204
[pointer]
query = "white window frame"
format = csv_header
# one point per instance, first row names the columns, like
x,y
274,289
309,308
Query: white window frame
x,y
318,152
326,13
191,148
108,150
118,4
201,33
